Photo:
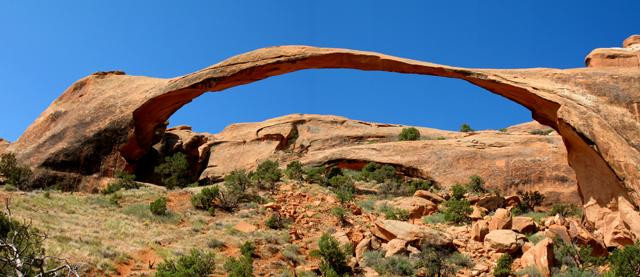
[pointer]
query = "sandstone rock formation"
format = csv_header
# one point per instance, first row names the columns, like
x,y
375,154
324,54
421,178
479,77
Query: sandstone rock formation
x,y
110,120
3,145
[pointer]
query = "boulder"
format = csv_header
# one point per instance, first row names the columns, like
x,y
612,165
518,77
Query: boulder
x,y
477,213
395,246
540,257
512,201
501,219
363,246
523,224
416,206
583,237
490,202
504,241
431,196
479,230
558,231
615,232
392,229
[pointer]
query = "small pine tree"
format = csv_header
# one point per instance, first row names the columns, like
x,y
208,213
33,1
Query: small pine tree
x,y
294,171
334,260
174,171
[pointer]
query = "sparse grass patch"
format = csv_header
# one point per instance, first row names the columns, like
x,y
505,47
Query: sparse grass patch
x,y
435,218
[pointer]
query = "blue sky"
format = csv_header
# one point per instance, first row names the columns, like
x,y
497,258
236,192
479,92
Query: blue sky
x,y
47,45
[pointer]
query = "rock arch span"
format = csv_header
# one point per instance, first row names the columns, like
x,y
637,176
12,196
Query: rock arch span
x,y
109,120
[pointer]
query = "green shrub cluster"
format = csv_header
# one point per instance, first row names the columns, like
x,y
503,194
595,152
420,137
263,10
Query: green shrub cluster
x,y
457,210
196,264
123,181
295,171
625,261
465,128
393,213
570,259
344,188
528,202
410,133
243,266
334,260
236,185
566,210
340,214
435,261
503,266
458,191
541,132
174,171
159,206
274,222
379,173
15,174
476,184
267,175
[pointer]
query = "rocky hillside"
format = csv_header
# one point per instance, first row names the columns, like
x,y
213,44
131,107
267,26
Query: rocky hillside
x,y
525,157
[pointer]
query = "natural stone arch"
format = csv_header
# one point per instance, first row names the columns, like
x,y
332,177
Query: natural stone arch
x,y
108,117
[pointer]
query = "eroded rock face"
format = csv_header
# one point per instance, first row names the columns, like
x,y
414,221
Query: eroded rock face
x,y
110,120
3,145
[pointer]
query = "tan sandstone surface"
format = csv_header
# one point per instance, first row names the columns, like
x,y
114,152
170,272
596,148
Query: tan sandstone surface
x,y
109,121
510,161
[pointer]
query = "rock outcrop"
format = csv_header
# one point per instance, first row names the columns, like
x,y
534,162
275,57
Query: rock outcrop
x,y
3,145
110,121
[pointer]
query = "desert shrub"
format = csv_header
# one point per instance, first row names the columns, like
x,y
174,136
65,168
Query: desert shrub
x,y
503,266
274,222
215,244
123,181
434,218
625,261
367,204
529,271
419,184
410,133
15,173
393,213
239,267
476,184
457,211
334,261
541,132
267,175
441,261
529,200
292,254
159,206
503,130
204,199
294,171
340,214
315,175
344,188
458,191
247,249
379,173
566,210
395,266
465,128
196,264
174,171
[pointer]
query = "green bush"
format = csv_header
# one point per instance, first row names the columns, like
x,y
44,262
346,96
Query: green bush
x,y
465,128
458,191
441,261
123,181
434,218
196,264
529,200
15,173
247,249
294,171
457,211
410,133
24,238
334,261
340,214
204,199
476,184
396,266
174,171
344,188
419,184
393,213
570,259
625,261
159,206
541,132
566,210
379,173
267,175
315,175
240,267
503,266
274,222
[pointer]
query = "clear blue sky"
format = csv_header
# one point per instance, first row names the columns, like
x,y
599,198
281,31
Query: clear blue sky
x,y
47,45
